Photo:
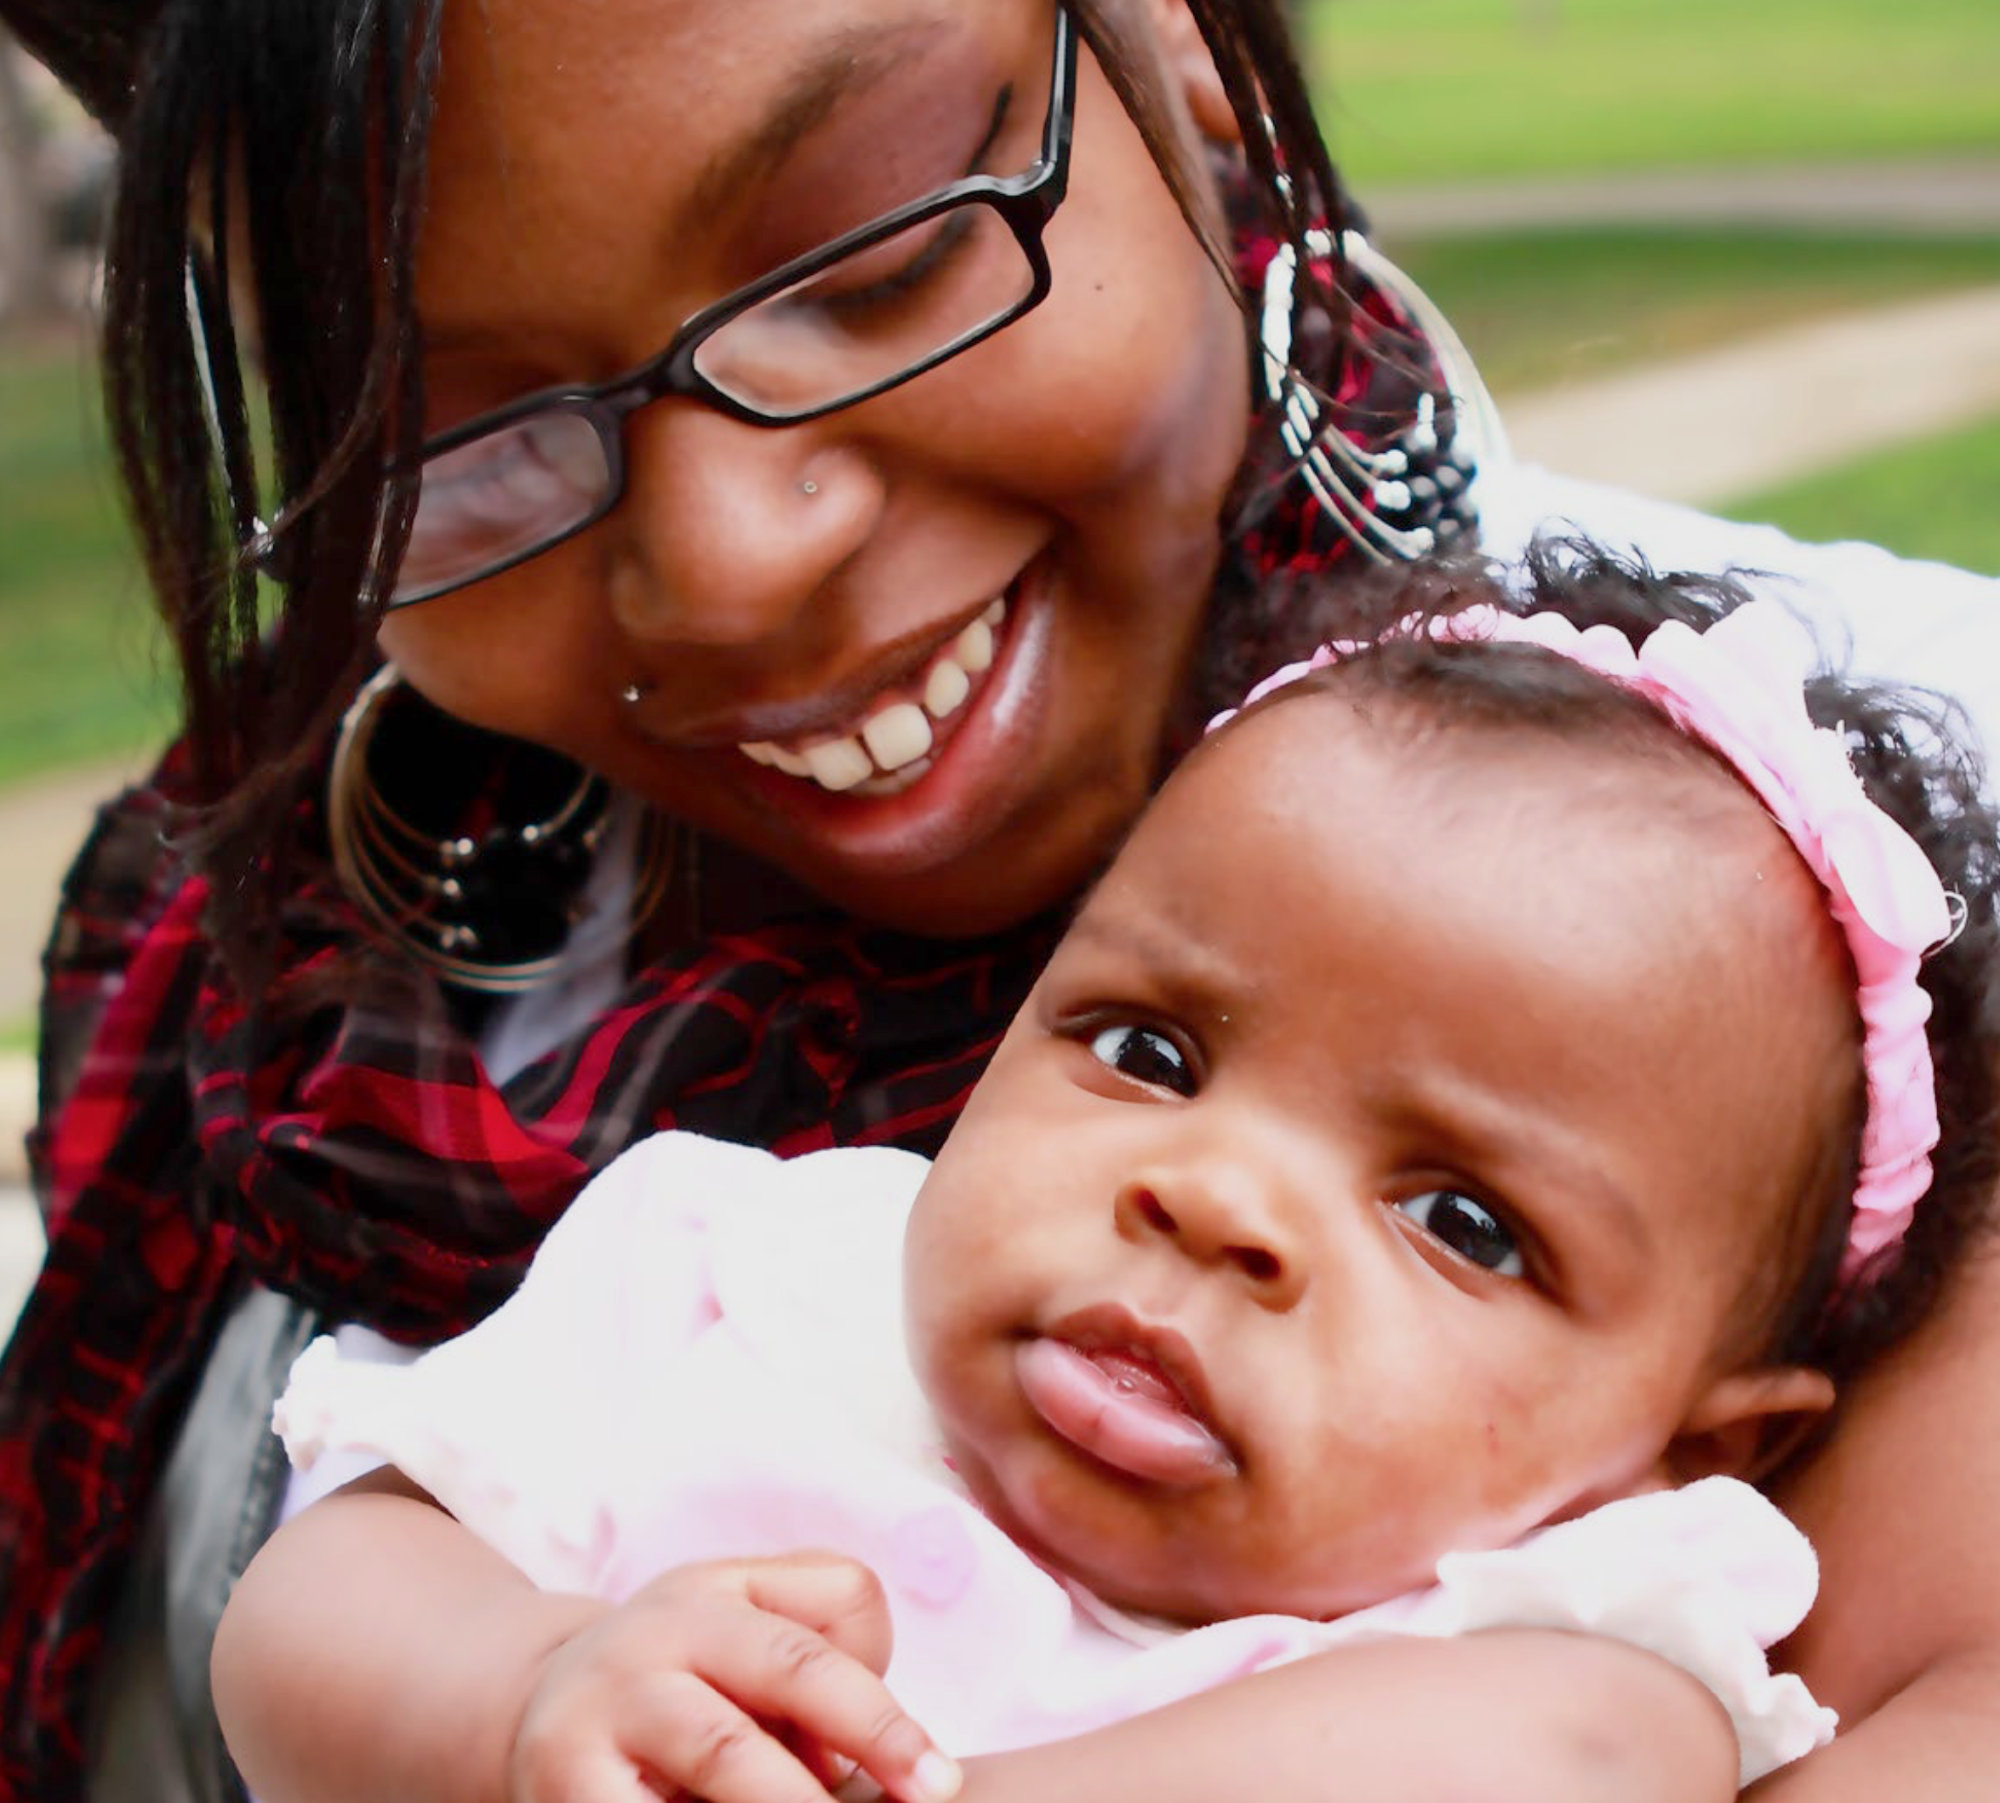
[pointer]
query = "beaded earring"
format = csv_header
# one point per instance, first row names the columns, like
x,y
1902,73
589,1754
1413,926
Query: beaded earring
x,y
1409,491
484,881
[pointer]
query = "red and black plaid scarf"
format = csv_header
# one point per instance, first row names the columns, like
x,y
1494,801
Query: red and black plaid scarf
x,y
361,1160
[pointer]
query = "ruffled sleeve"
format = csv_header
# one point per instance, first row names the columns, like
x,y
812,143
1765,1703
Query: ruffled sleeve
x,y
1706,1577
509,1425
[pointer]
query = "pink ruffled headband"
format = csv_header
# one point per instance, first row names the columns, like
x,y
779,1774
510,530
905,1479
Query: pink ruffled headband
x,y
1739,688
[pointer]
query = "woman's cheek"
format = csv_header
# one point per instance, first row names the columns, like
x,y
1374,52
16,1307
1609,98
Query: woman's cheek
x,y
497,655
1133,391
1149,344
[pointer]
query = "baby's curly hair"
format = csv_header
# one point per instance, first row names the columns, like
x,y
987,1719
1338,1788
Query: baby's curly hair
x,y
1916,756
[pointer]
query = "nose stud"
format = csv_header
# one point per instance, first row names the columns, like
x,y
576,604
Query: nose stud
x,y
808,487
631,694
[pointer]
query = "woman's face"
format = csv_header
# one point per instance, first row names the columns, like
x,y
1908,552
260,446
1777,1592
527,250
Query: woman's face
x,y
1009,554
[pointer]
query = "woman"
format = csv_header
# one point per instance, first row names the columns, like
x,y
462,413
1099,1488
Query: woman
x,y
807,471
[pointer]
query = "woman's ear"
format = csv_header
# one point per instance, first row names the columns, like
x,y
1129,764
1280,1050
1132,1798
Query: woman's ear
x,y
1186,57
1746,1424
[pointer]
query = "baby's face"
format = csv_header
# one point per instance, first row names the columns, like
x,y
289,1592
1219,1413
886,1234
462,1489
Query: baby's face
x,y
1381,1167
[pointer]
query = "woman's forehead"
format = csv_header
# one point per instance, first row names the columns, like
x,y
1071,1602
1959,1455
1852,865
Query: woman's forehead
x,y
631,129
747,64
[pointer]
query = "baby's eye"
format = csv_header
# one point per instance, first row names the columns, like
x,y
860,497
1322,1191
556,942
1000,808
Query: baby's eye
x,y
1469,1228
1145,1055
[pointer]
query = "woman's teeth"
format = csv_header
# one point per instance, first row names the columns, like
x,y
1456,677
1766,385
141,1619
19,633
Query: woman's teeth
x,y
897,734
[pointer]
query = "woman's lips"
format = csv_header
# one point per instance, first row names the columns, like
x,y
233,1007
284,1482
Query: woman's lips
x,y
1117,1403
887,748
984,760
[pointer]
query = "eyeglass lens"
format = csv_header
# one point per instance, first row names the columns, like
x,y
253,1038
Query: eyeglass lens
x,y
495,499
850,328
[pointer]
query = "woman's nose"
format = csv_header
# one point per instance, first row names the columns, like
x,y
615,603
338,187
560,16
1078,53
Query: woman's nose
x,y
729,533
1223,1215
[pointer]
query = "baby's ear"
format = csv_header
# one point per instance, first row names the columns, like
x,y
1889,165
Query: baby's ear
x,y
1744,1425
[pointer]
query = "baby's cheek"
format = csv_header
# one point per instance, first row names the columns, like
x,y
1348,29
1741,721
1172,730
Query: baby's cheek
x,y
951,1360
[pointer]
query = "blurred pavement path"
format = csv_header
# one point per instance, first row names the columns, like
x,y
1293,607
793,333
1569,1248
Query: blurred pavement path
x,y
1922,195
42,823
20,1251
1719,424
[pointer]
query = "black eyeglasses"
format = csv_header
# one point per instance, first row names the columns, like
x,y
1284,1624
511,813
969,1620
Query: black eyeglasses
x,y
872,309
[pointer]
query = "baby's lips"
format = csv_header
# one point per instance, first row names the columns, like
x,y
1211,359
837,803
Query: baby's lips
x,y
1138,1431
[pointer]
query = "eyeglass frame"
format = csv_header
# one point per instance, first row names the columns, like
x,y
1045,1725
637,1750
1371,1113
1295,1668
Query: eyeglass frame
x,y
1026,202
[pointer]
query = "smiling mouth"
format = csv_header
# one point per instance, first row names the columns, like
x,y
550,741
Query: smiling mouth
x,y
889,748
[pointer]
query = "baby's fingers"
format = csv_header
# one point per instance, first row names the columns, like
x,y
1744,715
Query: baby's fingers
x,y
835,1705
838,1596
686,1739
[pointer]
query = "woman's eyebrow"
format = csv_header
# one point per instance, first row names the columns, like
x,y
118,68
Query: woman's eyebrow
x,y
850,63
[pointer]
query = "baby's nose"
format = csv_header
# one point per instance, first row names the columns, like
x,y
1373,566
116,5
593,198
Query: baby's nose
x,y
1222,1216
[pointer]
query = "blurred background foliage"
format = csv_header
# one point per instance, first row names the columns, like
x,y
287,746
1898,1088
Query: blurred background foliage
x,y
1444,90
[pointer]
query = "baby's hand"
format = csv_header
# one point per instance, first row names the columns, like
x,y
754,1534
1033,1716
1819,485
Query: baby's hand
x,y
704,1682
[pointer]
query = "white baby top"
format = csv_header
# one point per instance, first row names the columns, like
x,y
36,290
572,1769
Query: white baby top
x,y
706,1361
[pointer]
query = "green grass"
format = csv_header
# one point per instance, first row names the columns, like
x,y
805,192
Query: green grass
x,y
1424,90
1543,307
1935,498
79,671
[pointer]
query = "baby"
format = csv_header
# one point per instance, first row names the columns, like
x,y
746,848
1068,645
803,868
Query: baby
x,y
1475,1120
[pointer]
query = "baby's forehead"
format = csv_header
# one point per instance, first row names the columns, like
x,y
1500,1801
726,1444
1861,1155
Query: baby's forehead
x,y
1648,827
1579,739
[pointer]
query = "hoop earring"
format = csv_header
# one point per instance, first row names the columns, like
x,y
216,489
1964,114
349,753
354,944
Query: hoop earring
x,y
491,908
1405,498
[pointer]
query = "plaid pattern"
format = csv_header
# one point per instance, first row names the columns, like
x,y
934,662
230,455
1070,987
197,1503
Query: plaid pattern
x,y
357,1156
